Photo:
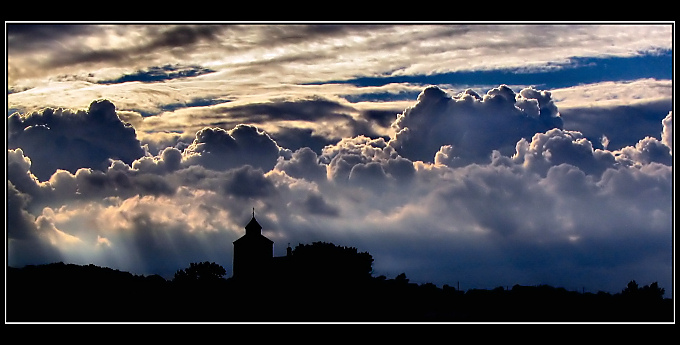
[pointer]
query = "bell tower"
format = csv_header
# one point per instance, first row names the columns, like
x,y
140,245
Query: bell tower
x,y
253,253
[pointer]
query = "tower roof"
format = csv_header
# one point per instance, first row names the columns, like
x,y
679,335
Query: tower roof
x,y
253,233
253,226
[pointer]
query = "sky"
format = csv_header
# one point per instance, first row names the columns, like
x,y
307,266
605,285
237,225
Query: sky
x,y
474,154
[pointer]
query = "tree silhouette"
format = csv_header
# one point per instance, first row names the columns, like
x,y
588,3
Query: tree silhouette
x,y
631,289
202,271
647,292
325,261
401,278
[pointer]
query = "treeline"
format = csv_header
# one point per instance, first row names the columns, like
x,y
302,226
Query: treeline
x,y
312,285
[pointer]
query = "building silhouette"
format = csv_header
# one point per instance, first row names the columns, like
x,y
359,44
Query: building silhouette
x,y
254,254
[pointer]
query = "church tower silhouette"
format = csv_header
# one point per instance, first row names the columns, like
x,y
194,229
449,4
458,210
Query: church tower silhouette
x,y
253,253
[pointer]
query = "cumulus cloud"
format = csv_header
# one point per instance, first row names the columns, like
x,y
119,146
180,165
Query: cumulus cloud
x,y
303,163
667,134
556,147
219,149
69,140
520,215
168,160
646,151
365,161
30,239
471,125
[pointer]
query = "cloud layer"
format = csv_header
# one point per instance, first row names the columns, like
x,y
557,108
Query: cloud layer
x,y
484,190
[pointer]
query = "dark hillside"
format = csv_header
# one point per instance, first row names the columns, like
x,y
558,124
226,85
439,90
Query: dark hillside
x,y
313,286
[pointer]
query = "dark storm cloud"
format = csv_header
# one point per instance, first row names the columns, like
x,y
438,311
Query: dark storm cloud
x,y
218,149
316,204
247,182
473,126
64,139
121,181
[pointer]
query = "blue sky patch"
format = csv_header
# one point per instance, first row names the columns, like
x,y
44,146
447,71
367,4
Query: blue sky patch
x,y
160,73
578,71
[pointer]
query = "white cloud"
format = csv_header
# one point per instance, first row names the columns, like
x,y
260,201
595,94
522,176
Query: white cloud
x,y
470,125
667,134
611,94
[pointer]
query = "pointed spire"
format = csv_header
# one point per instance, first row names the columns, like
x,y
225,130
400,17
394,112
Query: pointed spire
x,y
253,225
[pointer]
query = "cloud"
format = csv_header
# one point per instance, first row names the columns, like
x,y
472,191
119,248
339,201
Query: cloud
x,y
556,147
219,149
316,109
303,163
69,140
367,162
667,134
521,216
168,160
247,182
27,237
471,125
647,150
109,45
20,223
325,119
295,138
